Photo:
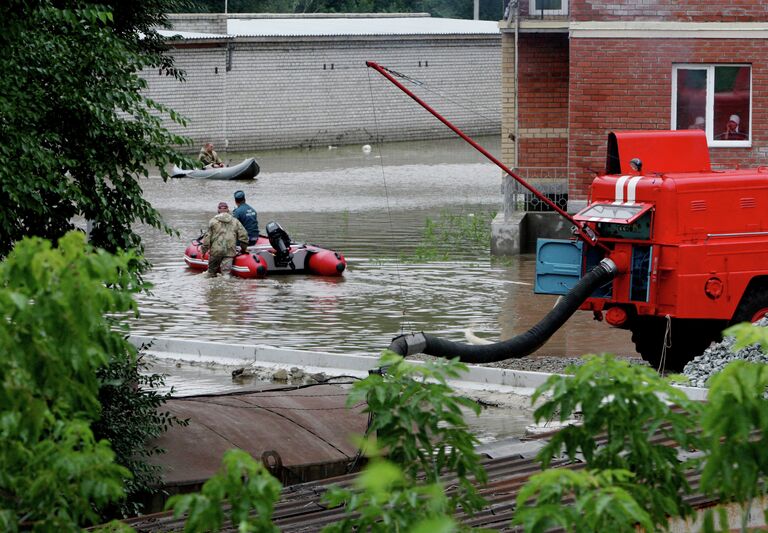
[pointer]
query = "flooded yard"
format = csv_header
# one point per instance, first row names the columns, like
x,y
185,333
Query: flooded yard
x,y
373,208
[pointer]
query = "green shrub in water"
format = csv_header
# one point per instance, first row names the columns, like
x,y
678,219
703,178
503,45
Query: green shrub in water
x,y
454,235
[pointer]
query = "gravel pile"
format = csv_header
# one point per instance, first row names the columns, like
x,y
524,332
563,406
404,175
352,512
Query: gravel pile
x,y
718,355
540,363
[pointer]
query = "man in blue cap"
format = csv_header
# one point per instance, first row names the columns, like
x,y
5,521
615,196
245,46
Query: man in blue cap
x,y
247,217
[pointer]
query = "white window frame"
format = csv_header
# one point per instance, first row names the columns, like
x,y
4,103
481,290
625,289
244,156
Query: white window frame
x,y
710,109
532,11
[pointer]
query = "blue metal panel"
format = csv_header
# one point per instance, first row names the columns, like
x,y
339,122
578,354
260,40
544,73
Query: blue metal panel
x,y
558,265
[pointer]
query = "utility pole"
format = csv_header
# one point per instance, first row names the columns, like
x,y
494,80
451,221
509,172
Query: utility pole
x,y
477,9
225,6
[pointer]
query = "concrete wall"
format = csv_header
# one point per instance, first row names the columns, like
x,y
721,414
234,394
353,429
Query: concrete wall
x,y
317,91
200,22
201,98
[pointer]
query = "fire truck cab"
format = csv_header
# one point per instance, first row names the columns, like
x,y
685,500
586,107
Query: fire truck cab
x,y
691,244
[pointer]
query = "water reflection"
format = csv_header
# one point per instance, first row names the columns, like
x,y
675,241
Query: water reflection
x,y
372,208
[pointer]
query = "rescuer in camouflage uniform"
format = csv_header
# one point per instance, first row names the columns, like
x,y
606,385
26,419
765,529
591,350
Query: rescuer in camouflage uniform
x,y
225,234
209,157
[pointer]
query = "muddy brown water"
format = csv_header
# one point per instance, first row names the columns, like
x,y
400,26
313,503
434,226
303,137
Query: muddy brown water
x,y
372,207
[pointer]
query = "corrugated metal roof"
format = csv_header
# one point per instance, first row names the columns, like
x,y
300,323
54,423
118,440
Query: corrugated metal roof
x,y
307,429
301,509
328,27
192,34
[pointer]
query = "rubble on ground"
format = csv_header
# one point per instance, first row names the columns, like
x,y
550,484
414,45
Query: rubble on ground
x,y
718,355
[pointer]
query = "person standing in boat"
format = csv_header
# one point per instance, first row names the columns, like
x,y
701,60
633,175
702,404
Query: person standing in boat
x,y
225,234
209,158
247,217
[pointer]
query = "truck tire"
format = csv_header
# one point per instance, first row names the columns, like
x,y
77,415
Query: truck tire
x,y
689,339
753,305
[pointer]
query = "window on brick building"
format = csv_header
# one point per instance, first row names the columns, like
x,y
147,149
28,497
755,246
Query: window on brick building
x,y
716,99
549,7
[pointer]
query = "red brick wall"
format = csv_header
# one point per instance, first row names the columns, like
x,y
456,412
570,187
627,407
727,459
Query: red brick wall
x,y
627,84
543,100
670,10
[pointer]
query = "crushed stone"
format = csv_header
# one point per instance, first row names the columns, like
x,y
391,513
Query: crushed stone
x,y
718,355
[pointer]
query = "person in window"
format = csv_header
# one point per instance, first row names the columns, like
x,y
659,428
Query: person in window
x,y
698,124
732,131
209,158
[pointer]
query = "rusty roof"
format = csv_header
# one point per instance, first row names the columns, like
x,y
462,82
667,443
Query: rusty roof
x,y
300,508
301,428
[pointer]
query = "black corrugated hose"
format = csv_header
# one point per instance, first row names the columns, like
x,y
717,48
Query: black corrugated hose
x,y
516,347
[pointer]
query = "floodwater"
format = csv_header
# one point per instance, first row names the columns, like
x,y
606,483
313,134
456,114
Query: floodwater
x,y
189,379
371,207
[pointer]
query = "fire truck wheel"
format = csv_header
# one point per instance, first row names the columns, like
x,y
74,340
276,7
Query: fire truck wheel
x,y
753,306
689,339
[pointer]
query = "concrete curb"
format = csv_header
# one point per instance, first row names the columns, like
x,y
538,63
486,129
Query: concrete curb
x,y
517,382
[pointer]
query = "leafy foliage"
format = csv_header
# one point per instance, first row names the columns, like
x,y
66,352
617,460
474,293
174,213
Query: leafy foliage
x,y
602,501
77,131
452,235
735,429
384,500
131,417
628,404
54,338
747,334
245,484
419,422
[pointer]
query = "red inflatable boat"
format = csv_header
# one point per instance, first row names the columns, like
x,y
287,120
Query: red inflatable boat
x,y
275,255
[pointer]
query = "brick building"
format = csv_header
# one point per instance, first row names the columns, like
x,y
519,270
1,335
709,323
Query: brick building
x,y
273,81
586,67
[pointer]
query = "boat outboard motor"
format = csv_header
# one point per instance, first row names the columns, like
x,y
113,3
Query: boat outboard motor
x,y
281,242
516,347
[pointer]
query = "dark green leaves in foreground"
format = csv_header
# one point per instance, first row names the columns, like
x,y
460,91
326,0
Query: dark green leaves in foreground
x,y
77,133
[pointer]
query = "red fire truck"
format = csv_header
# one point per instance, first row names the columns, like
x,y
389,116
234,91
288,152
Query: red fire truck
x,y
690,244
667,247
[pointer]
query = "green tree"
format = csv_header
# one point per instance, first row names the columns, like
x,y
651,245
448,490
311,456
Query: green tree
x,y
243,483
54,339
131,418
419,422
735,429
580,501
384,499
624,409
77,131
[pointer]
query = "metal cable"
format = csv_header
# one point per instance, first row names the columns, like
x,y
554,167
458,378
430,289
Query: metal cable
x,y
404,318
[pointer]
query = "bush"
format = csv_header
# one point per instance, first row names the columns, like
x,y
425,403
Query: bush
x,y
54,339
